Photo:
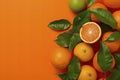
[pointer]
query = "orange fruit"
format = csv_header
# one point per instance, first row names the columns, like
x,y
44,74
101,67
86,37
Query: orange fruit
x,y
113,46
95,6
119,45
96,65
83,51
102,79
60,58
100,1
87,73
115,4
116,16
90,32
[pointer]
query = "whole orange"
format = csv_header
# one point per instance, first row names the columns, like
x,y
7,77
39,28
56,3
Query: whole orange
x,y
87,73
84,52
113,46
61,58
94,6
115,4
96,65
116,16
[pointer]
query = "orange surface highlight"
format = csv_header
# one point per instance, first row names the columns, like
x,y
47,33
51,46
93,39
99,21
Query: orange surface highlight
x,y
25,40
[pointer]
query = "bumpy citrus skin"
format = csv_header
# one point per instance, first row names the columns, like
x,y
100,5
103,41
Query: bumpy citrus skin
x,y
113,46
96,65
87,73
90,32
116,16
60,58
84,52
115,4
95,6
77,5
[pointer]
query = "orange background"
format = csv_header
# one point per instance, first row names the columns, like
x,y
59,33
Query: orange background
x,y
26,42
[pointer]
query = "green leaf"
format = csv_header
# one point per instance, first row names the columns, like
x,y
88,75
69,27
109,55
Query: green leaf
x,y
104,57
117,60
73,70
79,20
115,75
114,36
90,2
105,16
75,39
63,39
64,76
105,28
59,24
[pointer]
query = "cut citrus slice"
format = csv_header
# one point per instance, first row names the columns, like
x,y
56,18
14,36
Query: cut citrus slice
x,y
90,32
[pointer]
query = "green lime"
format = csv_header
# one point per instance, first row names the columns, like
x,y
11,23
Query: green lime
x,y
77,5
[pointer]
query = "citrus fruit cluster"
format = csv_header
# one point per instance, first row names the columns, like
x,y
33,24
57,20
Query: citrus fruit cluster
x,y
90,50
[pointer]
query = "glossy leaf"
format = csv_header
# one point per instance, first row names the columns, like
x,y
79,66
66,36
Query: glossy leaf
x,y
117,59
79,20
105,28
104,57
105,16
64,39
73,70
115,75
75,39
114,36
64,76
59,24
90,2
